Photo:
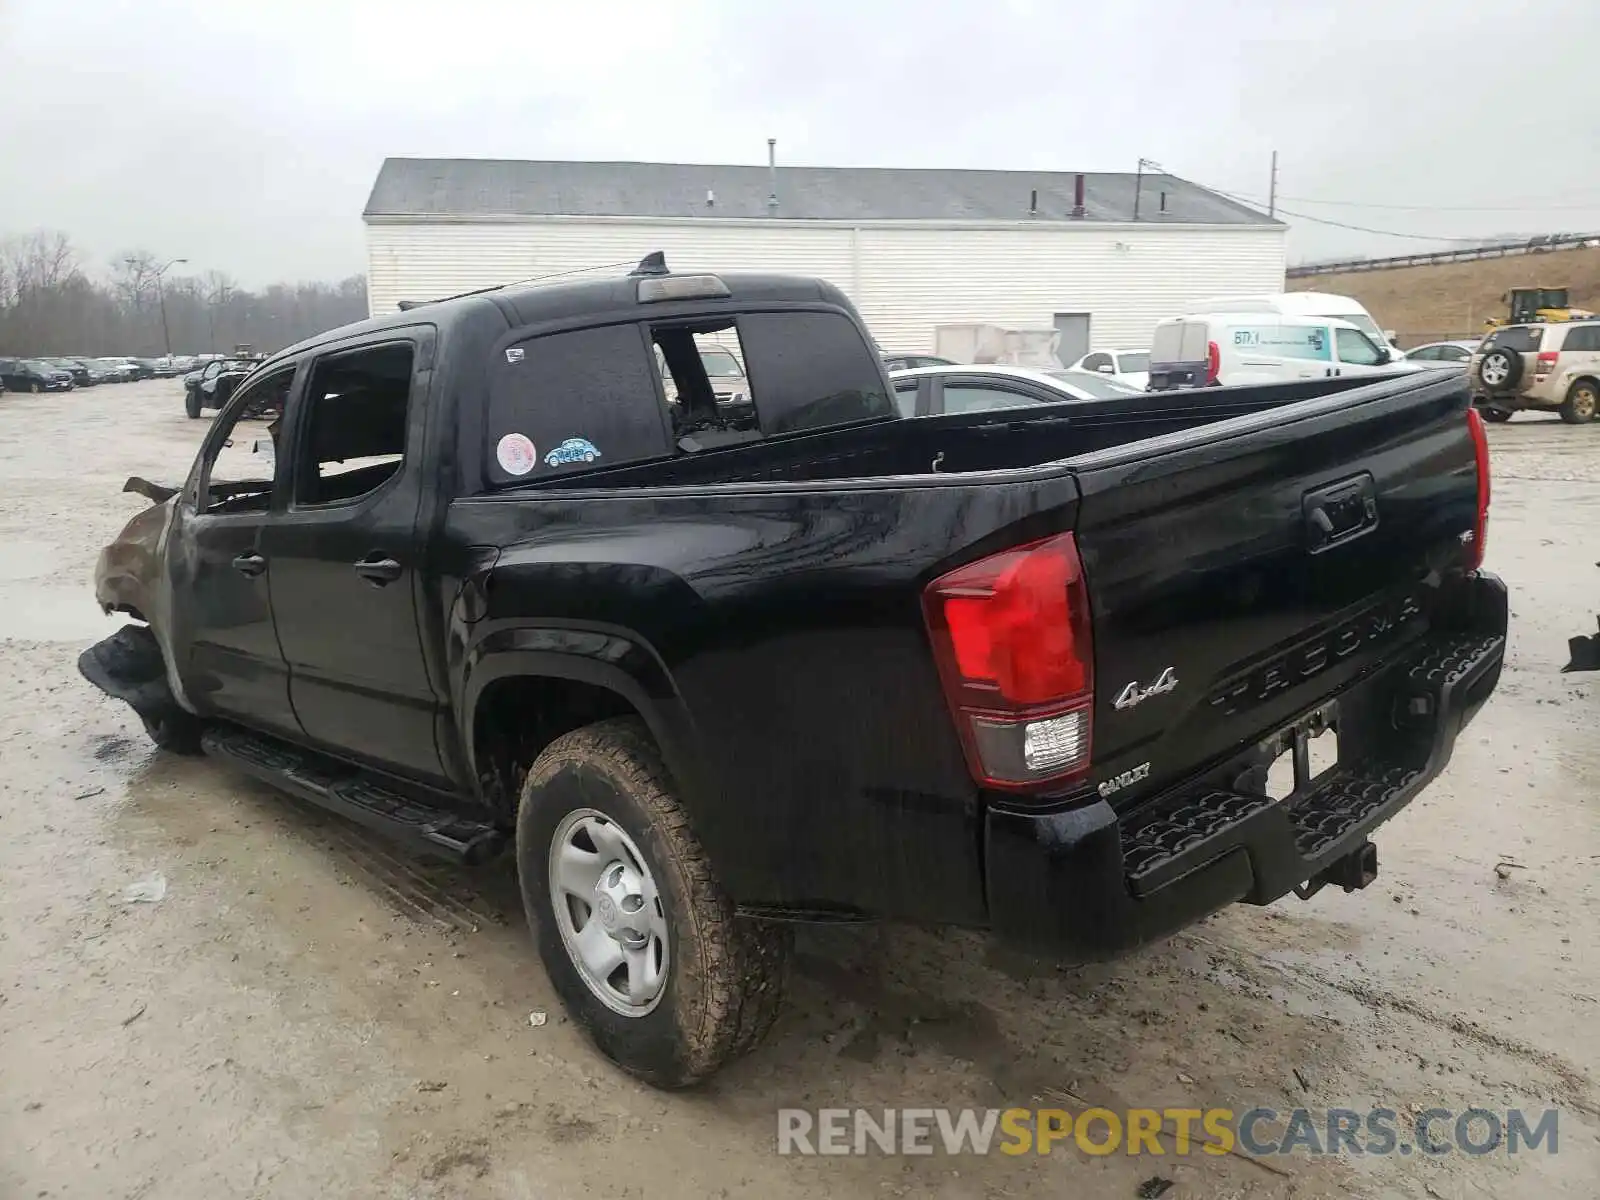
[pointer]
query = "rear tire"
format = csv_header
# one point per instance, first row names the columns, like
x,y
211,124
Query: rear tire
x,y
604,793
191,403
1583,398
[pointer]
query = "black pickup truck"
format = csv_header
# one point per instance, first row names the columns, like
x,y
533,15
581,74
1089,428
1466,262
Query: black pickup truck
x,y
1078,674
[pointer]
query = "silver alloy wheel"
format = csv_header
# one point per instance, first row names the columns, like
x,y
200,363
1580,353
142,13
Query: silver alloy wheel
x,y
1495,369
609,912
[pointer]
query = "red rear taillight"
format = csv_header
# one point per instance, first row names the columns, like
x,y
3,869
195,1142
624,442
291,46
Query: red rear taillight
x,y
1213,363
1012,638
1480,527
1546,362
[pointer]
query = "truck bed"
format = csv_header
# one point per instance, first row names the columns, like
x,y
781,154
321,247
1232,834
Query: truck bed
x,y
976,442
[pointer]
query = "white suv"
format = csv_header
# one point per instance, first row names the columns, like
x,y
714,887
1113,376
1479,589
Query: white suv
x,y
1550,368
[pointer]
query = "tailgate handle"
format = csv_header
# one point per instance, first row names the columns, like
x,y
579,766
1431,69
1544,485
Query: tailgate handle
x,y
1341,511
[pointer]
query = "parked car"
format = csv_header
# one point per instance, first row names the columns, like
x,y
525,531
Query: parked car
x,y
1035,675
34,375
1212,349
931,391
143,368
910,362
99,372
81,375
1454,354
211,386
121,370
1545,368
1129,366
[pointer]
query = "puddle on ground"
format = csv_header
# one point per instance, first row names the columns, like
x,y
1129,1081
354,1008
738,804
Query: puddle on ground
x,y
31,612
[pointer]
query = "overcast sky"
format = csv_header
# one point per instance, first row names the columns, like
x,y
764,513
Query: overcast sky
x,y
245,137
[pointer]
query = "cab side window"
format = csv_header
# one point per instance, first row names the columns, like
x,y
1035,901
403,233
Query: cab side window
x,y
353,423
241,460
1357,348
563,402
810,370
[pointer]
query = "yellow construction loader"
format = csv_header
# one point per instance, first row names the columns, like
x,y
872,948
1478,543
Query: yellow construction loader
x,y
1529,305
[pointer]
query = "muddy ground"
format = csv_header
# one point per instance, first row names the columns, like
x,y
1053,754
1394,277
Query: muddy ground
x,y
308,1013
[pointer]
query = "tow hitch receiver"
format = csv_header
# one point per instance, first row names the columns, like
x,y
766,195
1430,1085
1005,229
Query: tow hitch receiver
x,y
1352,872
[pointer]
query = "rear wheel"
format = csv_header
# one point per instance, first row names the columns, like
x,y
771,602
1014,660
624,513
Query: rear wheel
x,y
637,936
1582,400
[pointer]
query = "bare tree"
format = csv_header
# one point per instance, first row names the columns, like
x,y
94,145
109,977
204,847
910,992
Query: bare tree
x,y
133,273
49,306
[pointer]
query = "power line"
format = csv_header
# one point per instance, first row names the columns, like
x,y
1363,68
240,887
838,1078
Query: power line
x,y
1531,206
1300,216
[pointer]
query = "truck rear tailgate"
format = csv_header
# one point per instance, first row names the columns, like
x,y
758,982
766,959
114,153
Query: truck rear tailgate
x,y
1238,577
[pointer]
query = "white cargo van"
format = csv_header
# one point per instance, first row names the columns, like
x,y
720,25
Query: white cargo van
x,y
1228,349
1302,304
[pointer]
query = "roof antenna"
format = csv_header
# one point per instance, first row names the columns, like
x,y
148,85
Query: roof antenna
x,y
654,263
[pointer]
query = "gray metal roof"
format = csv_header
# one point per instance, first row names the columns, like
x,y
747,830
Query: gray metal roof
x,y
472,187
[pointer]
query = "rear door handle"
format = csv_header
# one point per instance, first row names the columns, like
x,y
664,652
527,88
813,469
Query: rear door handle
x,y
250,564
378,571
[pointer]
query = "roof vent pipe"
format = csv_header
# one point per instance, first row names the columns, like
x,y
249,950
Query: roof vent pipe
x,y
1033,203
711,198
1077,197
1163,202
772,176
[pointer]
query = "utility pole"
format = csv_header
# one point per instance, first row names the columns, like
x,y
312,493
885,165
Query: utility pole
x,y
161,300
1272,188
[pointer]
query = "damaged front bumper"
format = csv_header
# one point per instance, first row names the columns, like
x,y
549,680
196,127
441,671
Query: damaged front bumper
x,y
128,666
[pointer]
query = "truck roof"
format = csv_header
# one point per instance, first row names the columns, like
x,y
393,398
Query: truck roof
x,y
533,302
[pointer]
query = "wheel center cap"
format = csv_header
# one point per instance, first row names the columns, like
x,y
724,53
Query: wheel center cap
x,y
606,909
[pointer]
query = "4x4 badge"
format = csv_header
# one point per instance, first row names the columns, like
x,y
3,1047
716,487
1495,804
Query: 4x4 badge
x,y
1135,693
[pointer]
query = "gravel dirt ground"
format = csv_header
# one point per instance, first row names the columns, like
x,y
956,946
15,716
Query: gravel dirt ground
x,y
311,1013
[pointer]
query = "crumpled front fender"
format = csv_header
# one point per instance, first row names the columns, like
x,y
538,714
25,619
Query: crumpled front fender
x,y
130,575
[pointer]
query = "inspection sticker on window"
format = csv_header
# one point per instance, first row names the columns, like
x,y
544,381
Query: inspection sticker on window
x,y
516,454
514,354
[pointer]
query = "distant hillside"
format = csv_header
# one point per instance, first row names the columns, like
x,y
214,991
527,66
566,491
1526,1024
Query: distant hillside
x,y
1425,304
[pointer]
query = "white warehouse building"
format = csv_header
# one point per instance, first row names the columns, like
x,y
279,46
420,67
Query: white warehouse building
x,y
1101,257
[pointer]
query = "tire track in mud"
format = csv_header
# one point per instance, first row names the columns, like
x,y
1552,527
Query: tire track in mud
x,y
1580,1088
441,896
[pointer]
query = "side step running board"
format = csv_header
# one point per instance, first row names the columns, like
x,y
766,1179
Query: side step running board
x,y
342,790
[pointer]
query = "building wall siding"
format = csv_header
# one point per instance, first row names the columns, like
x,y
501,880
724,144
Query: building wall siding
x,y
904,280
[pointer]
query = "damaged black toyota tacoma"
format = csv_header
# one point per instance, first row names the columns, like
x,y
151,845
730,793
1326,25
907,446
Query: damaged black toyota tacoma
x,y
1077,674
